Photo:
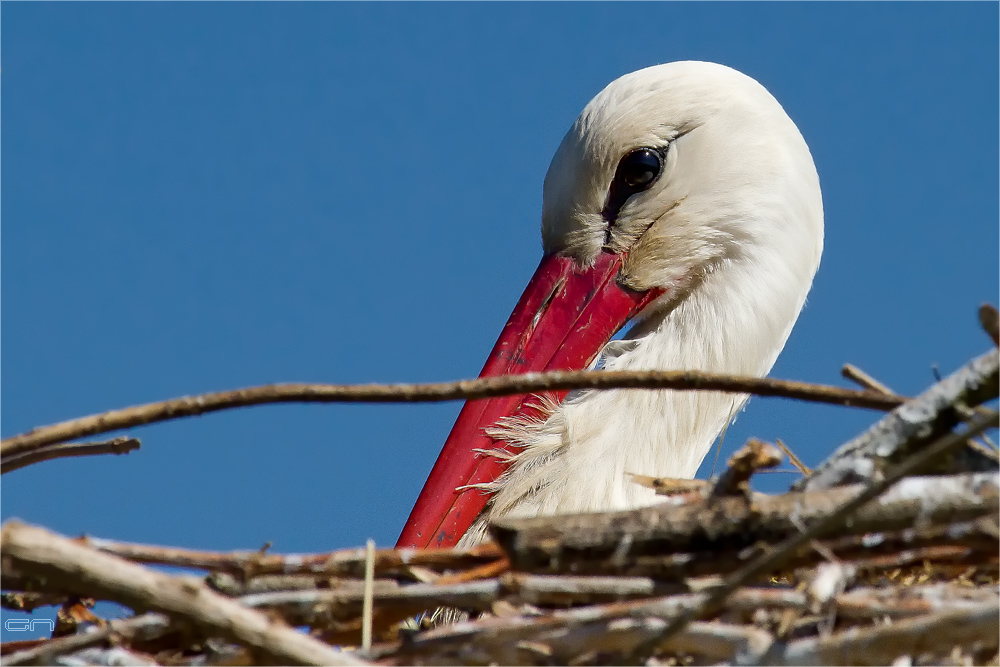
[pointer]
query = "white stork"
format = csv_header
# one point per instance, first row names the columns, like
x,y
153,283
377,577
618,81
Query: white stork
x,y
685,200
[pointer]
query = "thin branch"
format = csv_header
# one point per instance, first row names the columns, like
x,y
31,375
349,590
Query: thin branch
x,y
772,559
528,383
369,591
84,571
792,458
343,563
121,445
751,457
990,319
855,374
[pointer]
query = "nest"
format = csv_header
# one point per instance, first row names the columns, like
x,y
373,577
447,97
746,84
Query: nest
x,y
887,553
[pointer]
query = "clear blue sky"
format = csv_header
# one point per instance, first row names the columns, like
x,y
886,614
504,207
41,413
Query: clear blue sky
x,y
206,196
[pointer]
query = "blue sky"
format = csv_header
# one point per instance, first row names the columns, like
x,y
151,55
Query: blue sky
x,y
206,196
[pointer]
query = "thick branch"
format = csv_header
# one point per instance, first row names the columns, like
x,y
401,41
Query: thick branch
x,y
190,406
908,427
65,450
934,634
89,573
606,541
844,514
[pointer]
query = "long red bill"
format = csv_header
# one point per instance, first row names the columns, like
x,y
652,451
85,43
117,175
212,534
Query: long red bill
x,y
562,321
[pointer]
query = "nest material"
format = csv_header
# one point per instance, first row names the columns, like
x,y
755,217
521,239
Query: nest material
x,y
886,553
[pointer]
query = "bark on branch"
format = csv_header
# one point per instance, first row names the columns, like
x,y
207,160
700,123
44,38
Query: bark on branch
x,y
66,450
529,383
610,540
344,563
909,427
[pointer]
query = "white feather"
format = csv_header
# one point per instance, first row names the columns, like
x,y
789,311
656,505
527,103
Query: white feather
x,y
733,230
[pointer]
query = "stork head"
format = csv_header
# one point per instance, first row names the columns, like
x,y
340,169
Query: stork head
x,y
682,167
671,175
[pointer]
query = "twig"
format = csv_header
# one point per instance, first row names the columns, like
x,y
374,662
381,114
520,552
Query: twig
x,y
906,428
88,572
770,560
670,486
528,383
855,374
344,563
990,319
366,613
147,625
747,460
122,445
487,571
792,458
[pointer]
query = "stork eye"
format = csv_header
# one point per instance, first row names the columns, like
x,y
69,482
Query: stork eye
x,y
636,172
639,169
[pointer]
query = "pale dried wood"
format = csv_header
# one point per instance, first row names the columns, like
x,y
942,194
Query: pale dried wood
x,y
855,374
741,466
907,428
342,563
529,383
844,513
792,458
234,586
932,634
606,542
87,572
570,636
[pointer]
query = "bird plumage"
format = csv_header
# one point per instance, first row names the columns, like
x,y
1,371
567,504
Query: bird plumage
x,y
732,231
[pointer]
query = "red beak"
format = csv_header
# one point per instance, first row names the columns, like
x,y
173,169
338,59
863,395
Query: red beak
x,y
562,321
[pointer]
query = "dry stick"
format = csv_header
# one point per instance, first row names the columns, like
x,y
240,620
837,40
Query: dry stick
x,y
366,613
751,457
772,559
792,458
190,406
908,427
990,319
344,563
149,625
84,571
855,374
121,445
312,607
934,633
661,537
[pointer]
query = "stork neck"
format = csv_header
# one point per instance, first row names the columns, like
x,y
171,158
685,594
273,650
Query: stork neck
x,y
579,459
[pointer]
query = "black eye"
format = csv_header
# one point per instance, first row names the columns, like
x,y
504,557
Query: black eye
x,y
639,169
636,172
